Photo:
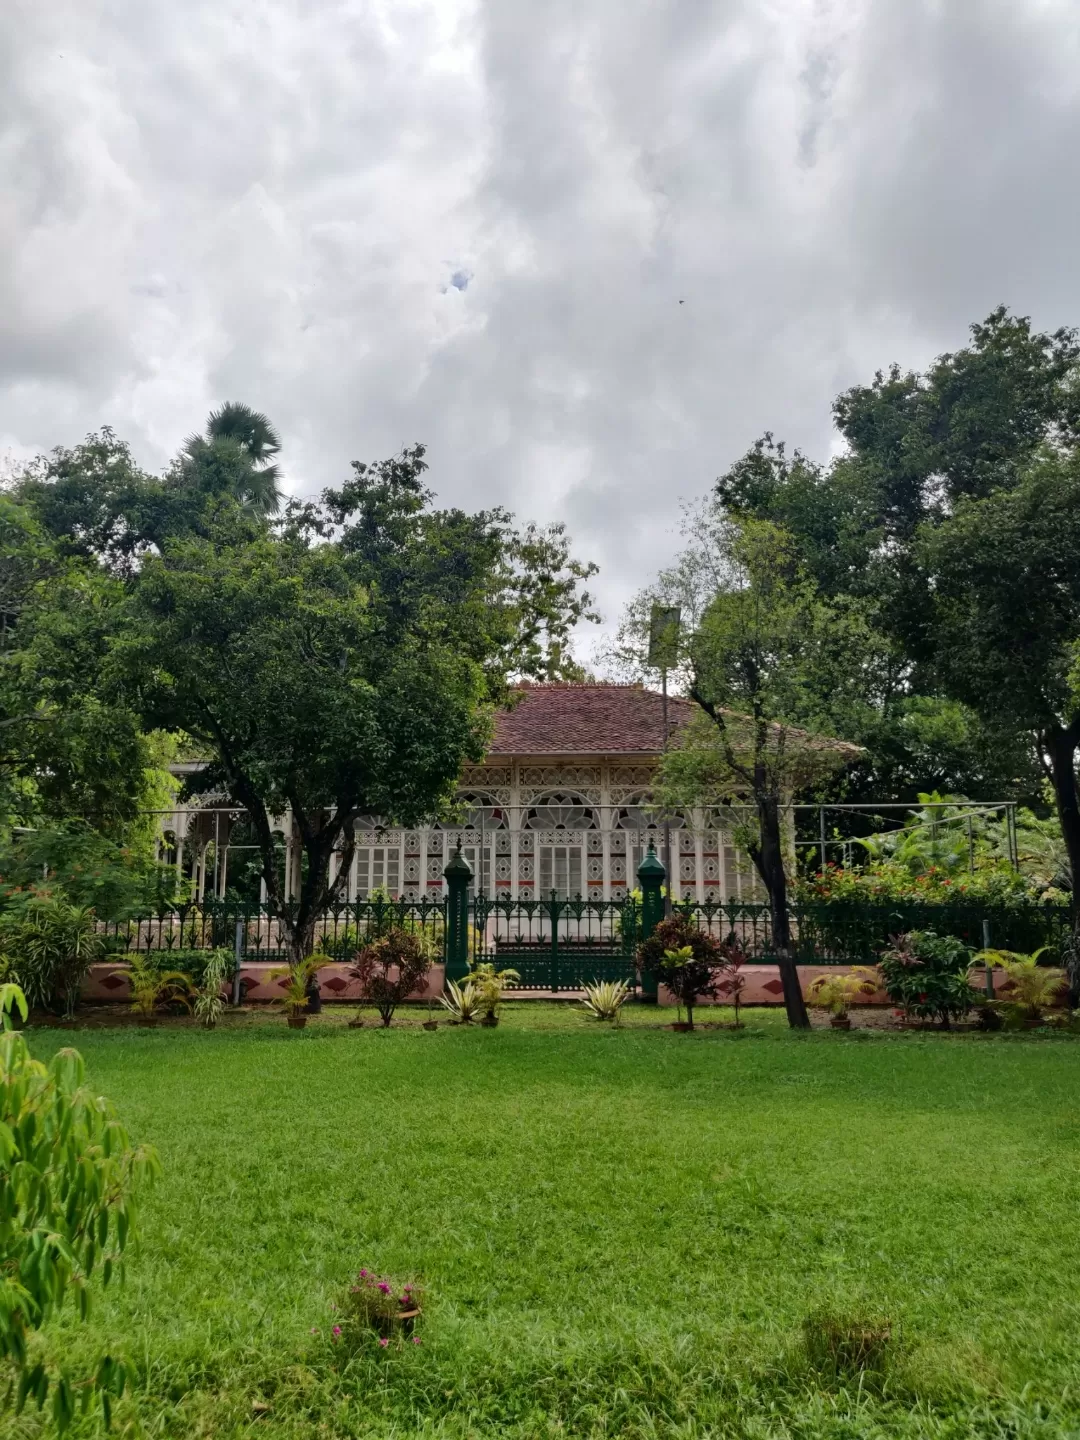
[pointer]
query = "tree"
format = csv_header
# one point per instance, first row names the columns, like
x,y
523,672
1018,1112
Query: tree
x,y
235,457
68,750
758,660
1003,573
346,665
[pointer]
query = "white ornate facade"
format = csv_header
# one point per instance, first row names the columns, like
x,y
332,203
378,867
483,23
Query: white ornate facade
x,y
542,819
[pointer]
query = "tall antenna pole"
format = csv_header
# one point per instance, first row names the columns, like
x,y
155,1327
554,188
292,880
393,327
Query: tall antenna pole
x,y
667,822
663,653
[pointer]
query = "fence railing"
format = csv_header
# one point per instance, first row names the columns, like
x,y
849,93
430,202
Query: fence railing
x,y
560,944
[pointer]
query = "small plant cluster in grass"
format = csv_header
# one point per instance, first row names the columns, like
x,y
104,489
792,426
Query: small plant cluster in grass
x,y
837,993
605,999
927,976
375,1307
841,1345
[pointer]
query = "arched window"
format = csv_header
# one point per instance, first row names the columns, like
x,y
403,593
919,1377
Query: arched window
x,y
562,820
642,823
478,822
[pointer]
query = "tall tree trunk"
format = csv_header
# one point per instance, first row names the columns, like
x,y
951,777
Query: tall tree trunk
x,y
1061,744
770,865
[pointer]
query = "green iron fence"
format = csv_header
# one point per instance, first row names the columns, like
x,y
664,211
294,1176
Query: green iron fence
x,y
558,944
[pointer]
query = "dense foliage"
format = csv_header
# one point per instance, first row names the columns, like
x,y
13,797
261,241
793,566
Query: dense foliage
x,y
389,969
927,975
69,1177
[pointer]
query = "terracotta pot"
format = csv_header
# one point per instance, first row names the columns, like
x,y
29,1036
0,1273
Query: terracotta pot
x,y
682,1025
296,1022
356,1023
841,1022
431,1024
489,1019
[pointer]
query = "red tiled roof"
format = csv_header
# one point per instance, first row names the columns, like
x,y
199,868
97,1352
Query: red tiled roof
x,y
587,720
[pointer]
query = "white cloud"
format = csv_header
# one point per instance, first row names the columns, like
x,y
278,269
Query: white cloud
x,y
216,200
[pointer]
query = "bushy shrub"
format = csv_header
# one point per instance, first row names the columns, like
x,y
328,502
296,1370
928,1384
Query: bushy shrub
x,y
698,972
70,1178
48,946
927,974
389,969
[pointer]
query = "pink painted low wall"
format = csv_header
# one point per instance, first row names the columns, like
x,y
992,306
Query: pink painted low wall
x,y
108,982
763,985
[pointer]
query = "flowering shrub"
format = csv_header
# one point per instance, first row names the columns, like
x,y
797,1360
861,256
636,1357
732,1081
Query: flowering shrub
x,y
927,975
375,1306
991,880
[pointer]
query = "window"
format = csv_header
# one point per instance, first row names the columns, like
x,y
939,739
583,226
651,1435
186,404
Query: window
x,y
643,824
563,821
378,867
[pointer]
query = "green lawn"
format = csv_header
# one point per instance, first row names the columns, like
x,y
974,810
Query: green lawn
x,y
620,1232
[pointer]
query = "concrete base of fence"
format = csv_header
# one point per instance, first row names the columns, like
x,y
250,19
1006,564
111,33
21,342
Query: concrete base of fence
x,y
763,985
258,983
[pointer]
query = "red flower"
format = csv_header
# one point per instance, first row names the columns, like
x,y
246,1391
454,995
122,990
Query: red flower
x,y
922,998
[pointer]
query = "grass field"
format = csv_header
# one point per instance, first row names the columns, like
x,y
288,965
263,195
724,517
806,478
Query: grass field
x,y
620,1232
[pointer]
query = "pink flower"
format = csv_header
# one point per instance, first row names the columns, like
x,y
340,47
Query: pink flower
x,y
416,1339
384,1342
384,1287
336,1331
363,1274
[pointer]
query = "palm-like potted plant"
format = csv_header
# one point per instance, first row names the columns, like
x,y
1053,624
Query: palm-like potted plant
x,y
1031,988
489,985
296,994
837,993
604,999
151,988
461,1001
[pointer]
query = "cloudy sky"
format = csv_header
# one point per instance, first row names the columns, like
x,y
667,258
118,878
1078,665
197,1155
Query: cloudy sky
x,y
472,222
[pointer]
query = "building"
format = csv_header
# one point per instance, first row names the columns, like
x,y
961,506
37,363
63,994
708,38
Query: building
x,y
561,803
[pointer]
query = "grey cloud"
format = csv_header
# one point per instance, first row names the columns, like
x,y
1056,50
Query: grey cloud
x,y
471,222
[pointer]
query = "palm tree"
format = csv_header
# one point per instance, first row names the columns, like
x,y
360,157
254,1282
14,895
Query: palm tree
x,y
236,455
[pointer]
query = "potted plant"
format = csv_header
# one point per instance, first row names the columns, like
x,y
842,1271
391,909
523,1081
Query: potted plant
x,y
687,960
377,1305
1030,988
837,993
296,996
430,1023
489,985
209,1003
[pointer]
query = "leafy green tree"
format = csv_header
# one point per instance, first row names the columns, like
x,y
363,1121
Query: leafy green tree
x,y
1003,574
758,660
347,665
70,1178
67,751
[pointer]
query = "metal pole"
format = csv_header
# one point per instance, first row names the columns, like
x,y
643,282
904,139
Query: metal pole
x,y
988,963
821,814
238,951
667,822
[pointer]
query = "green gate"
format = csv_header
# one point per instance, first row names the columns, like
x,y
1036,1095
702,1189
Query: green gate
x,y
557,944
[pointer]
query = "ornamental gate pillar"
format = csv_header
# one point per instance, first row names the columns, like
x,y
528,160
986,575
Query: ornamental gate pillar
x,y
457,874
651,875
